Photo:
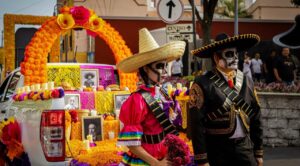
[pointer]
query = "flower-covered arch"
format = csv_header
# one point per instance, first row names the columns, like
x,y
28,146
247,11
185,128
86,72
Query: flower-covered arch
x,y
36,52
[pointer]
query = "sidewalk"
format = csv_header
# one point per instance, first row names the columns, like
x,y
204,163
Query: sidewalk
x,y
282,156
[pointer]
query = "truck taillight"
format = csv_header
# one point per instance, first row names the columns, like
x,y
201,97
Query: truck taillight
x,y
52,135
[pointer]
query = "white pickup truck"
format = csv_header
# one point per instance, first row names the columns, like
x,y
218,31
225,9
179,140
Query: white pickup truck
x,y
42,121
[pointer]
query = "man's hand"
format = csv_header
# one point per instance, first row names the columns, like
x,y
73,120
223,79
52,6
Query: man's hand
x,y
259,161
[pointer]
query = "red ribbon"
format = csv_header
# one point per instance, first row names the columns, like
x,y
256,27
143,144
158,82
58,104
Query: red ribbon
x,y
230,83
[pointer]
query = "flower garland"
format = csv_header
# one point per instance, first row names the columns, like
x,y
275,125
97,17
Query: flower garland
x,y
41,95
34,65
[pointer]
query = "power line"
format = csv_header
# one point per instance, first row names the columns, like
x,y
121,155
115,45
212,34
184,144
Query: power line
x,y
26,7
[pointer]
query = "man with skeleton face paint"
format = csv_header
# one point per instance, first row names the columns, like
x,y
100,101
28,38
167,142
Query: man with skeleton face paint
x,y
143,113
225,115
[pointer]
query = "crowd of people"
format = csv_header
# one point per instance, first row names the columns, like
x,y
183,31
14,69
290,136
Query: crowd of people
x,y
280,67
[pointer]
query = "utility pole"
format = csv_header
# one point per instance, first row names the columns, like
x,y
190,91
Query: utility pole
x,y
236,17
195,64
2,38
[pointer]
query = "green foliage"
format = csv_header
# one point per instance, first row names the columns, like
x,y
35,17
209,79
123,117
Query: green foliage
x,y
229,9
295,2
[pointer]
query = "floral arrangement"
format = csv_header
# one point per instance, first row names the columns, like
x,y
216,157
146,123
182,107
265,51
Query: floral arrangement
x,y
277,87
178,150
105,153
41,95
36,52
10,136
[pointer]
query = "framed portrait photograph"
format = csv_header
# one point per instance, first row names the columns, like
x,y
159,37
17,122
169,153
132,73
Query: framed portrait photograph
x,y
89,77
119,99
92,125
72,101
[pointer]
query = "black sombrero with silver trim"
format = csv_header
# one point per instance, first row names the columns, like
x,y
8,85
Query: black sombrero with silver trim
x,y
223,41
290,38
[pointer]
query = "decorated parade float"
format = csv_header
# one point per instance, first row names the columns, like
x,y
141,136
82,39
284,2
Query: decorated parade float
x,y
68,113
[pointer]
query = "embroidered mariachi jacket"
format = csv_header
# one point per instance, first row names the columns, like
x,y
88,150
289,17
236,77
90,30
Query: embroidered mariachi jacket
x,y
215,114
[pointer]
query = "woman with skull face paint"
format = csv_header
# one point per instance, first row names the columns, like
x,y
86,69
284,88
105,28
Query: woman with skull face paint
x,y
225,114
143,113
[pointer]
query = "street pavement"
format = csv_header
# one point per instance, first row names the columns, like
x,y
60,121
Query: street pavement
x,y
282,156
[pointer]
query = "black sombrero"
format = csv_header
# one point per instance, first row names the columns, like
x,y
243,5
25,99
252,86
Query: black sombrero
x,y
86,76
290,38
222,41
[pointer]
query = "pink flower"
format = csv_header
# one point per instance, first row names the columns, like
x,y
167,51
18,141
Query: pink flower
x,y
80,14
178,150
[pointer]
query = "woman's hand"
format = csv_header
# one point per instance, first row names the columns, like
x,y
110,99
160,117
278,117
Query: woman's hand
x,y
163,162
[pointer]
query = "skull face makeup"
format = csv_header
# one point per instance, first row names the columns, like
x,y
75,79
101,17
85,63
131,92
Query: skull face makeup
x,y
155,72
230,56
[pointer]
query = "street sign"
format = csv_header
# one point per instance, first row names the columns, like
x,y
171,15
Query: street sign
x,y
179,37
170,11
179,28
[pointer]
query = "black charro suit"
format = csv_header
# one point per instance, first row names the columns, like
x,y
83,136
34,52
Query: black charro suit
x,y
213,120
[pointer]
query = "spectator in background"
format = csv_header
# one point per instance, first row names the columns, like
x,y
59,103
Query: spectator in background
x,y
195,65
247,65
176,68
269,66
256,64
284,67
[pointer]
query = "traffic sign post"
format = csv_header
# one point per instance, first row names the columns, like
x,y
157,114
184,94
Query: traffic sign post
x,y
177,32
179,28
170,11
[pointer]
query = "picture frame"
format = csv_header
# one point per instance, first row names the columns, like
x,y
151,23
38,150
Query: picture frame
x,y
119,99
92,125
72,102
89,77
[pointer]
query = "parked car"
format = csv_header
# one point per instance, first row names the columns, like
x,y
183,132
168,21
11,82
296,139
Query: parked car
x,y
41,121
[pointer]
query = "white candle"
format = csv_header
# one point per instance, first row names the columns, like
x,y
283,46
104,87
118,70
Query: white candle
x,y
111,135
86,144
44,86
50,85
93,113
89,138
32,88
27,89
18,90
37,87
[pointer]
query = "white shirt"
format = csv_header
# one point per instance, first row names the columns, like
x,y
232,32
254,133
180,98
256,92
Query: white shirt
x,y
256,65
176,67
246,69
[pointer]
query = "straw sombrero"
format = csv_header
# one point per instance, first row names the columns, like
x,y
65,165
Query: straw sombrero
x,y
223,41
149,51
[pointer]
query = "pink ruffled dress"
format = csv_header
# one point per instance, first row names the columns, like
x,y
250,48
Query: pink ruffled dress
x,y
139,120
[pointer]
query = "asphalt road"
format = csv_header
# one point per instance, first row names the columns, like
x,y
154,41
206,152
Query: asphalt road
x,y
282,156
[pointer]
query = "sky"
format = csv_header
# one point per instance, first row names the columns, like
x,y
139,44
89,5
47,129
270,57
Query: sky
x,y
28,7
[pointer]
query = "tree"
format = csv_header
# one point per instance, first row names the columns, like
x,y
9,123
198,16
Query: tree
x,y
205,23
229,9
